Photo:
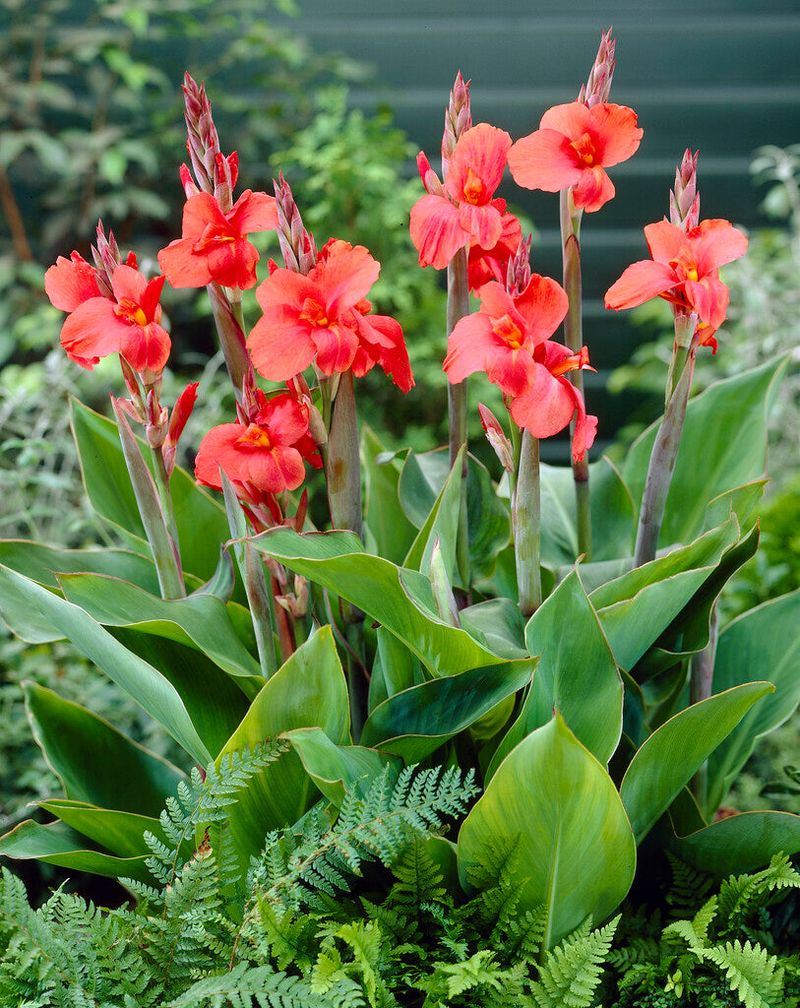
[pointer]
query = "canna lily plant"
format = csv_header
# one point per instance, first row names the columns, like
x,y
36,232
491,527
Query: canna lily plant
x,y
563,646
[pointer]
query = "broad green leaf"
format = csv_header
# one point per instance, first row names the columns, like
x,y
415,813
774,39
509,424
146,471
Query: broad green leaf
x,y
392,533
395,668
121,833
764,642
94,762
57,844
421,482
612,513
723,445
201,521
666,761
575,664
499,625
337,768
636,608
399,599
41,563
201,622
743,501
556,808
440,526
741,843
414,723
154,693
216,703
308,691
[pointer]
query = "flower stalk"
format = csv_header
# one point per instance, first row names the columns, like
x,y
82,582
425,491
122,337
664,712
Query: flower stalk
x,y
573,337
526,521
665,448
342,459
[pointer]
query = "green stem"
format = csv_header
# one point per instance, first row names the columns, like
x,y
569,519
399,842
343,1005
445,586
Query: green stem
x,y
458,308
662,465
573,337
357,685
228,319
701,685
526,519
343,462
165,495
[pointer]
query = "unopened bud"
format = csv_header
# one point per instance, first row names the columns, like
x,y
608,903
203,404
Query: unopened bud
x,y
598,85
189,187
297,244
684,200
181,412
429,177
106,259
496,437
457,119
518,273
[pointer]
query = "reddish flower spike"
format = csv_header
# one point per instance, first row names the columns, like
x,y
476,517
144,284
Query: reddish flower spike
x,y
572,148
263,457
463,210
684,270
214,245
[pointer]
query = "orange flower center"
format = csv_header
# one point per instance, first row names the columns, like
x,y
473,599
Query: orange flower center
x,y
507,329
212,237
584,148
685,267
572,363
254,437
314,313
474,188
131,312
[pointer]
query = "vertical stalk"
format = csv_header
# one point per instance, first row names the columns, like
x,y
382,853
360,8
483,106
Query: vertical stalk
x,y
165,495
701,684
662,463
230,330
343,463
526,519
458,308
573,337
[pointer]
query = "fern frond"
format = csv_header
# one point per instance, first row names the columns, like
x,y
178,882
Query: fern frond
x,y
244,987
753,975
571,973
741,896
689,890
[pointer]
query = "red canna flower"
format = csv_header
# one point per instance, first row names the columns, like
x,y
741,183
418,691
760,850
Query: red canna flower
x,y
214,245
492,264
572,148
502,336
128,322
323,318
684,270
463,210
263,457
549,402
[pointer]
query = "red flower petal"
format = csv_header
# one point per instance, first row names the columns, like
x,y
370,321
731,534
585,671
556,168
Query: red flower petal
x,y
640,282
546,406
92,331
483,150
345,277
617,134
233,264
543,305
217,450
717,243
511,370
336,348
285,419
483,223
146,348
544,160
664,240
181,266
470,341
284,287
280,344
129,283
70,282
382,340
572,119
435,231
594,190
199,212
253,211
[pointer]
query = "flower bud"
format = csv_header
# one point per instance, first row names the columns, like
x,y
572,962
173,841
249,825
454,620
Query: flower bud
x,y
598,85
496,437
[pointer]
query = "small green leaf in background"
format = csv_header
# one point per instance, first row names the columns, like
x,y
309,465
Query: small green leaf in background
x,y
741,842
555,806
668,759
57,844
391,532
576,675
335,768
417,721
41,563
122,833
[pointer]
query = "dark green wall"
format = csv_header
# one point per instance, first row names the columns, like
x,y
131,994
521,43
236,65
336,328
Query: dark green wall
x,y
721,76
